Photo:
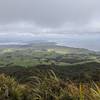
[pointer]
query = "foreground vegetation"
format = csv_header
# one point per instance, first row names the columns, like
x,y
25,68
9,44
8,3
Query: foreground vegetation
x,y
47,87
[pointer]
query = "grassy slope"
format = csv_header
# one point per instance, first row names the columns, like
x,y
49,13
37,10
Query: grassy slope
x,y
47,87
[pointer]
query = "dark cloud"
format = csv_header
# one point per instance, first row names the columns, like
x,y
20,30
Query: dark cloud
x,y
30,15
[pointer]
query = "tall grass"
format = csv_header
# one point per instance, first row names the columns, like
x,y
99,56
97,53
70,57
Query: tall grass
x,y
95,92
47,87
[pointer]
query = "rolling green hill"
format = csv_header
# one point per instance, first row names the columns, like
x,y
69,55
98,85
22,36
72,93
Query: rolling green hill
x,y
68,62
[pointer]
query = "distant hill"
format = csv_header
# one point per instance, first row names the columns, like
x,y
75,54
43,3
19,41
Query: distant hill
x,y
42,45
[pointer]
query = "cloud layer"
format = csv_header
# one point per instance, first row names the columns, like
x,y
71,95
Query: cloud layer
x,y
49,15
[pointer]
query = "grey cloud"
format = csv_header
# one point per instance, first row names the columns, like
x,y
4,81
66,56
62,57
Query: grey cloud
x,y
44,15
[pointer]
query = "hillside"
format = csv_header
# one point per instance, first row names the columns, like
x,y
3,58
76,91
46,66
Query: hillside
x,y
46,71
44,53
68,62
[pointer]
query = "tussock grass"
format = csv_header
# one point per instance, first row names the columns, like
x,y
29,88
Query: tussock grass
x,y
47,87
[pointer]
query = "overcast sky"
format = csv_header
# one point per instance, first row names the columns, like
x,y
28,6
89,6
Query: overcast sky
x,y
49,16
